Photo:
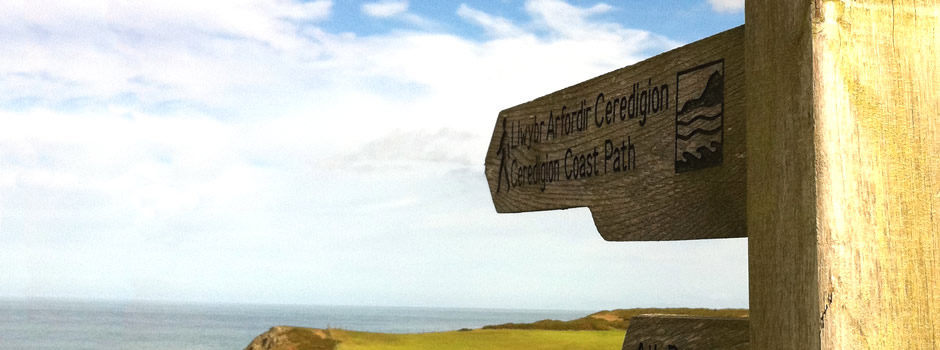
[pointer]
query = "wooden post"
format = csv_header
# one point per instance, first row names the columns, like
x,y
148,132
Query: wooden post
x,y
843,175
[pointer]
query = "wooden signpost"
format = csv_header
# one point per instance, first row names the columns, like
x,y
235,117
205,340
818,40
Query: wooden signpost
x,y
814,131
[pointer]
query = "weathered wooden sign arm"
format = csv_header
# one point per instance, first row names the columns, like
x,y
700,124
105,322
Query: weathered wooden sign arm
x,y
814,131
655,150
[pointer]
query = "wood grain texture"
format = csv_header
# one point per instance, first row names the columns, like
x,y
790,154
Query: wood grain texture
x,y
671,332
652,177
842,175
781,202
877,99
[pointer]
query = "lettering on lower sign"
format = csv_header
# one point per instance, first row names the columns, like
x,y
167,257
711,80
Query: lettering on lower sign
x,y
649,346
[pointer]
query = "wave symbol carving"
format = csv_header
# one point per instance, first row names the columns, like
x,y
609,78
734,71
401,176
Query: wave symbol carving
x,y
698,131
700,119
697,118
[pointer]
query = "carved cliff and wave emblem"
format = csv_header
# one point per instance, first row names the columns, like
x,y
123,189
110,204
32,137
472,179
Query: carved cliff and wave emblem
x,y
699,117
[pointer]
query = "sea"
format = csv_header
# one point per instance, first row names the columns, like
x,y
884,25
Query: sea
x,y
76,324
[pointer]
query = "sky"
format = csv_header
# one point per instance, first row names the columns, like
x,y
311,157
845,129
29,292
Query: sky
x,y
317,152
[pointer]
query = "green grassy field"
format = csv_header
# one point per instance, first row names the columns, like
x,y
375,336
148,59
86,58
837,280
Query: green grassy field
x,y
482,339
600,330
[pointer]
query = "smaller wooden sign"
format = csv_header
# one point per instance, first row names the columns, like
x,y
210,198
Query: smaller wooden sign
x,y
671,332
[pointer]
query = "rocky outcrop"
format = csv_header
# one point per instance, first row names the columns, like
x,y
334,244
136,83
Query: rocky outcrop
x,y
293,338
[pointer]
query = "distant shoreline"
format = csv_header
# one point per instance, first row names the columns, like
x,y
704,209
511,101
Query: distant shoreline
x,y
132,324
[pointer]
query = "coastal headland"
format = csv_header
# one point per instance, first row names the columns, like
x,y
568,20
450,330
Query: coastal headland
x,y
600,330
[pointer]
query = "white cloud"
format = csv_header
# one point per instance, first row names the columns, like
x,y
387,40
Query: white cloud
x,y
171,110
385,9
727,6
172,129
440,150
154,51
112,92
269,21
263,64
493,25
571,21
397,10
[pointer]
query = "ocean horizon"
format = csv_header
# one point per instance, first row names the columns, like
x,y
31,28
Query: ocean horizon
x,y
153,325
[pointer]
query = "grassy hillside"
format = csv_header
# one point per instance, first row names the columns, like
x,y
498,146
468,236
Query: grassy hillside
x,y
615,319
600,330
481,339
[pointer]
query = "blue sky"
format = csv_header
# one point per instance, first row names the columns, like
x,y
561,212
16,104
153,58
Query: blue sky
x,y
321,152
